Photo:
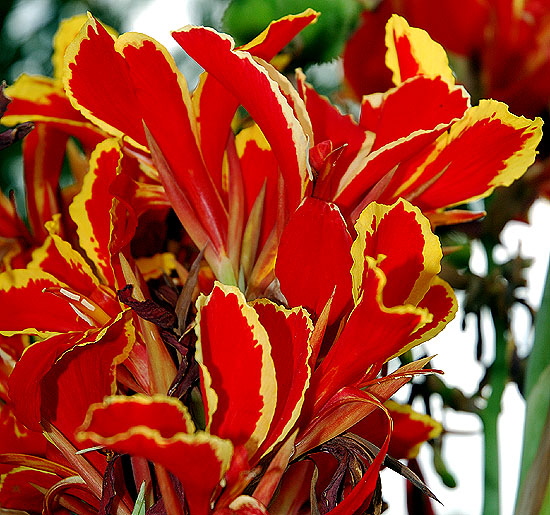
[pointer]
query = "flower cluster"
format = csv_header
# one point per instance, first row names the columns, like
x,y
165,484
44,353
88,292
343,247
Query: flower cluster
x,y
208,309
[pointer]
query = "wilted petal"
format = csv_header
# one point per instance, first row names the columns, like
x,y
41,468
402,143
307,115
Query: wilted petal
x,y
238,378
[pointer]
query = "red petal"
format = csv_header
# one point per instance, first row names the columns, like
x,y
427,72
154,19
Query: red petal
x,y
149,66
290,329
260,95
410,430
465,22
42,100
410,268
63,383
216,106
43,154
258,167
372,334
17,491
347,137
156,428
420,103
15,437
412,52
314,258
98,83
49,314
91,208
441,302
366,72
489,147
237,373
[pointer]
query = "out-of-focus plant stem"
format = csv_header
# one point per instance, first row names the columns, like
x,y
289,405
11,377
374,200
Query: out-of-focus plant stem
x,y
497,377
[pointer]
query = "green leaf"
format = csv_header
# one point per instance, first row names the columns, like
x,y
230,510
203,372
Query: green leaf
x,y
139,507
320,42
538,403
539,358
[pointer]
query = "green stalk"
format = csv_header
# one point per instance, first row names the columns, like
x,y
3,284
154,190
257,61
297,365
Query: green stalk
x,y
498,375
497,378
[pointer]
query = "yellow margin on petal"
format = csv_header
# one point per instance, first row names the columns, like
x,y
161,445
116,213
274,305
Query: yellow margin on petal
x,y
268,388
15,470
67,31
129,332
431,251
36,89
514,167
425,316
259,39
63,247
137,40
251,133
299,107
428,335
298,408
300,143
70,58
436,430
223,448
430,56
517,164
19,278
77,208
144,400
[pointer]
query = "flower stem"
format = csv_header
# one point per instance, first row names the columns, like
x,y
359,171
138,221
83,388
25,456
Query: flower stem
x,y
498,374
497,378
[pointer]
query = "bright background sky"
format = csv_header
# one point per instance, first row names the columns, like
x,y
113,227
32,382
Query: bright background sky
x,y
454,347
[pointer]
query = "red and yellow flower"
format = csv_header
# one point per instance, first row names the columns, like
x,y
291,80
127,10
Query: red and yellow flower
x,y
316,229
